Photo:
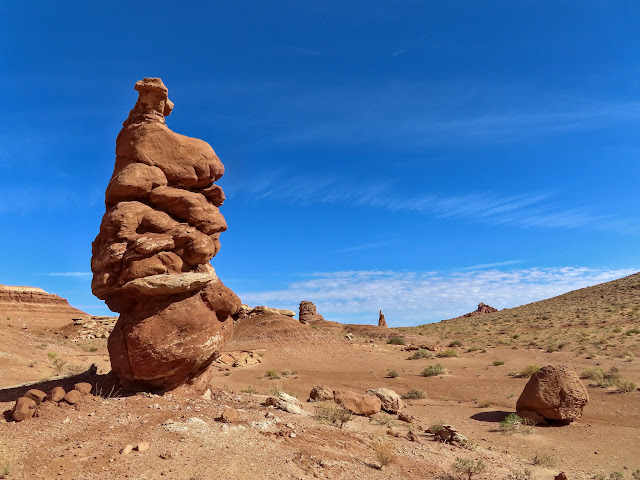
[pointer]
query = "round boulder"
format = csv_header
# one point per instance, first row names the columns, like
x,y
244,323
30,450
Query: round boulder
x,y
554,393
391,401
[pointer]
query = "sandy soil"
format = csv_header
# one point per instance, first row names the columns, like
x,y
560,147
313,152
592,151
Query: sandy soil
x,y
187,442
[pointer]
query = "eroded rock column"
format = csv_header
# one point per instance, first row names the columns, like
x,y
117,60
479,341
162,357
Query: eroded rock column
x,y
151,258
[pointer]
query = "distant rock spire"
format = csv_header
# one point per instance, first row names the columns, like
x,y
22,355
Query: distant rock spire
x,y
381,321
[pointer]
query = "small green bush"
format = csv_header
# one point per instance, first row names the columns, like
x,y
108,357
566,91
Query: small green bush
x,y
456,343
393,374
497,363
513,423
421,353
447,353
433,370
272,374
396,340
249,389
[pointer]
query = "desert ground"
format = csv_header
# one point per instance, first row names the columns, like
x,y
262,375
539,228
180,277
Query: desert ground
x,y
483,376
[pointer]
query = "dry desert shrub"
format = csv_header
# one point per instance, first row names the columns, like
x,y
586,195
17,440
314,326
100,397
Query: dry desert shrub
x,y
414,394
448,353
396,340
527,371
393,374
332,414
543,459
433,370
467,468
250,389
8,462
435,427
385,453
421,353
514,423
272,375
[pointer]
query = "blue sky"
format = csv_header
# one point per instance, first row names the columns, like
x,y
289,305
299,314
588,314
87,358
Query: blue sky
x,y
416,157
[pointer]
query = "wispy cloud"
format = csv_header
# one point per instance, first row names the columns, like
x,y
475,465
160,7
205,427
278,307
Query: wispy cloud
x,y
529,210
483,266
410,298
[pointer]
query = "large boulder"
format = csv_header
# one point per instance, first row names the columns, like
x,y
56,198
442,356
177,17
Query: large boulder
x,y
320,393
391,402
151,258
555,393
357,403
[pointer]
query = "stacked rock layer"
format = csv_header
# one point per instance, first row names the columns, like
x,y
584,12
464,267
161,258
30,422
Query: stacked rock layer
x,y
151,258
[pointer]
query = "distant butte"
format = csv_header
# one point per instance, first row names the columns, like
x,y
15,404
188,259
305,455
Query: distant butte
x,y
34,303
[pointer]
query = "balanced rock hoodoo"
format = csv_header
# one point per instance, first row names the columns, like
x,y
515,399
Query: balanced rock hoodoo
x,y
151,258
554,393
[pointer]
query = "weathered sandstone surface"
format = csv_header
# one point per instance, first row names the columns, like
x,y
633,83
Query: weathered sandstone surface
x,y
308,312
151,258
553,393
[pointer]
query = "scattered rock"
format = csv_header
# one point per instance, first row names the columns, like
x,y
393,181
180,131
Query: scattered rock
x,y
412,436
482,309
405,417
287,403
381,321
561,476
36,395
57,394
239,359
448,434
142,446
357,403
308,313
126,450
555,393
229,415
390,400
150,260
320,393
349,336
83,387
72,397
24,408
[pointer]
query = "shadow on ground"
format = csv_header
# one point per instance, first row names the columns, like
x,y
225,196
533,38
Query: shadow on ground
x,y
103,386
490,417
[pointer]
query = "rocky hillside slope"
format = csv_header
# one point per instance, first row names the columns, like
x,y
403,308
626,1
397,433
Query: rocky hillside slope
x,y
599,320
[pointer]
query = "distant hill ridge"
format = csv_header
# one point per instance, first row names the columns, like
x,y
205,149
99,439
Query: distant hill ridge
x,y
604,317
34,302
